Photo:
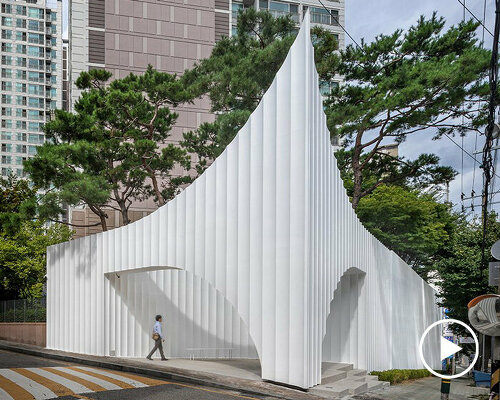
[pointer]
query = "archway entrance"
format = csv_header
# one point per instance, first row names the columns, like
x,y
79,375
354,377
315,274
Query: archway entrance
x,y
345,322
195,315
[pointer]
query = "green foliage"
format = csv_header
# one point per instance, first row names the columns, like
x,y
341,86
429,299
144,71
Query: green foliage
x,y
425,79
235,77
458,266
395,376
17,203
113,149
412,224
23,258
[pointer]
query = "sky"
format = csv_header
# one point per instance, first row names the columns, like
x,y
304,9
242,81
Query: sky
x,y
366,19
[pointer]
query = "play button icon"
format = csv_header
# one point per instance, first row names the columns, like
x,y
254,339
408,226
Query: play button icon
x,y
448,348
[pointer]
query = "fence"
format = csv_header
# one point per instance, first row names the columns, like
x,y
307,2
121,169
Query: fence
x,y
24,310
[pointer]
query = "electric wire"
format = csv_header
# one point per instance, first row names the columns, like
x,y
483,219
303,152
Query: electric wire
x,y
476,18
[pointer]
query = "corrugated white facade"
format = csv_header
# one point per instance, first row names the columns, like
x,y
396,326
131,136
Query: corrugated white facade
x,y
262,253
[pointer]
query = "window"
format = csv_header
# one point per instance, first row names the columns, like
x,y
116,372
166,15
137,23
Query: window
x,y
6,171
6,8
21,137
35,12
35,89
7,86
32,150
6,34
6,147
21,100
35,38
53,93
21,62
279,9
6,73
6,99
21,124
21,148
21,49
21,10
35,51
21,23
325,87
6,21
35,76
21,74
6,47
6,159
35,139
33,63
20,87
322,16
53,42
35,114
35,25
19,160
36,102
20,112
7,123
7,111
6,136
21,36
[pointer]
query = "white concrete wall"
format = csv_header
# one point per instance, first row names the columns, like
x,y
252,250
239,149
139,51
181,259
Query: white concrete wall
x,y
269,228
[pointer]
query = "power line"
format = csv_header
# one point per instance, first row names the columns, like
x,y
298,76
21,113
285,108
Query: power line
x,y
465,151
476,18
338,22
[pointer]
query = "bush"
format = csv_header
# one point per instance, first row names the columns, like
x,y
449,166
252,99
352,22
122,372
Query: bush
x,y
400,375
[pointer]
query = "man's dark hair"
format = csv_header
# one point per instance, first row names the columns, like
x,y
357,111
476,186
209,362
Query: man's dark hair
x,y
158,317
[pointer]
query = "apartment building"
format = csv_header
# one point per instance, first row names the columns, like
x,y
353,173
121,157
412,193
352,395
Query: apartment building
x,y
124,36
31,77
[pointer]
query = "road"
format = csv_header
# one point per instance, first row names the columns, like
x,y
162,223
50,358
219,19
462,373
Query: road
x,y
24,377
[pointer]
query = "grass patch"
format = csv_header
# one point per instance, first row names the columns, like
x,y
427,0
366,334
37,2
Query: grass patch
x,y
400,375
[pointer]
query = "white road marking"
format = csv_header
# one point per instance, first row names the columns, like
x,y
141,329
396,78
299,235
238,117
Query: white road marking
x,y
71,385
121,378
101,382
38,391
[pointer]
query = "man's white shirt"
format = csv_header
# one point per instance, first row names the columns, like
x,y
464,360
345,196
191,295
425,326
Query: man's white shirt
x,y
157,329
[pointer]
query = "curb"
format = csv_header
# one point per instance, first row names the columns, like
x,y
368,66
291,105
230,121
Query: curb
x,y
258,388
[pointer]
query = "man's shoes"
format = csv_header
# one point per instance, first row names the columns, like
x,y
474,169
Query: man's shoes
x,y
149,358
164,359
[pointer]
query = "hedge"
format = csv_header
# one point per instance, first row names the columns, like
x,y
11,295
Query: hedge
x,y
400,375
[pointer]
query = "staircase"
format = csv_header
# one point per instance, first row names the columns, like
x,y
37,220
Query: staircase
x,y
338,380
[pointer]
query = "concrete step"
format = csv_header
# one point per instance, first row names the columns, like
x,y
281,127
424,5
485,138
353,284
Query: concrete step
x,y
333,375
376,385
340,388
329,366
357,372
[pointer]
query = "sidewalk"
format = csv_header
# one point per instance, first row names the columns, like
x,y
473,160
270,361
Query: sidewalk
x,y
425,389
243,375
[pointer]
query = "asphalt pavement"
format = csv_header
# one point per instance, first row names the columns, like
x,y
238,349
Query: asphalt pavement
x,y
25,377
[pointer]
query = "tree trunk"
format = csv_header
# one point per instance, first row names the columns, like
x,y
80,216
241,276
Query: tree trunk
x,y
123,208
154,180
357,179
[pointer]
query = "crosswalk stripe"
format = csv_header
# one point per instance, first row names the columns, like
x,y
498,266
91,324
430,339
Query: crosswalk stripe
x,y
34,388
101,382
12,390
142,379
109,379
57,388
72,385
130,381
4,395
84,382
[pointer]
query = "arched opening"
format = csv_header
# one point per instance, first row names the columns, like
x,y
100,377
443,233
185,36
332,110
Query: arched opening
x,y
195,315
343,341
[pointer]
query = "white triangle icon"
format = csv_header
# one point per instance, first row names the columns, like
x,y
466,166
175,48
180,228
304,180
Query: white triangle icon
x,y
448,348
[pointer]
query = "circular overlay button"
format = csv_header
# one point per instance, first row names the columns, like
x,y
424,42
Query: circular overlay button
x,y
448,348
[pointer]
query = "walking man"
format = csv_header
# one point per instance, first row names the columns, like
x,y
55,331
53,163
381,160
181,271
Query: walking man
x,y
158,338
